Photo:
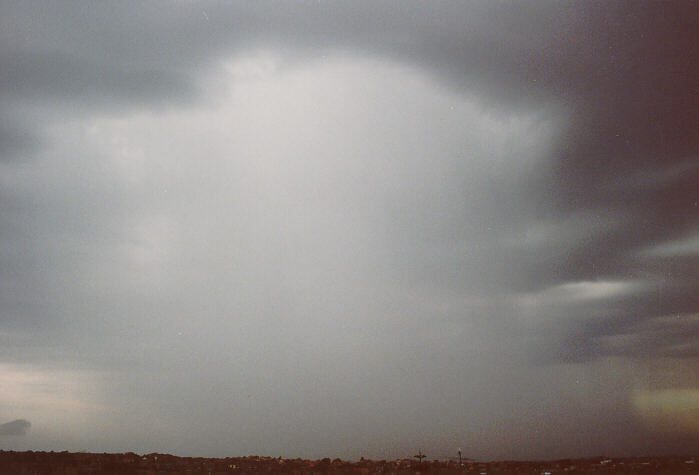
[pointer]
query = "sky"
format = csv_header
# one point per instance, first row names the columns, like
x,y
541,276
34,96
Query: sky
x,y
349,229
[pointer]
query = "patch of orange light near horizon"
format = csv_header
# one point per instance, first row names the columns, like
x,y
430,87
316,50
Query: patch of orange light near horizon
x,y
669,410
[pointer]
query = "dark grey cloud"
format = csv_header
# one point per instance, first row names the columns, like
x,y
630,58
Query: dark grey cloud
x,y
437,194
64,76
16,427
632,150
16,139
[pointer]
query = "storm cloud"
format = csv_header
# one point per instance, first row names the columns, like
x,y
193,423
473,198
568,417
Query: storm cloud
x,y
16,427
321,229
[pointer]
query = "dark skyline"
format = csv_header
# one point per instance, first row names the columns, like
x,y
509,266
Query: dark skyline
x,y
346,229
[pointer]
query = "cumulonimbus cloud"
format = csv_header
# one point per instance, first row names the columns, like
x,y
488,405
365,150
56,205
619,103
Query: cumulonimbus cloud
x,y
16,427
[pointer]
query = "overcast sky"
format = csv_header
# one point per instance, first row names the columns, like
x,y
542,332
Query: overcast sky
x,y
349,229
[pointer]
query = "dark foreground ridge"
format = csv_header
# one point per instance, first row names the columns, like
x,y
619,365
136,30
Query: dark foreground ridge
x,y
67,463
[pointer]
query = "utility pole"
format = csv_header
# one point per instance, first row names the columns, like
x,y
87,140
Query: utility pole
x,y
460,464
420,456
